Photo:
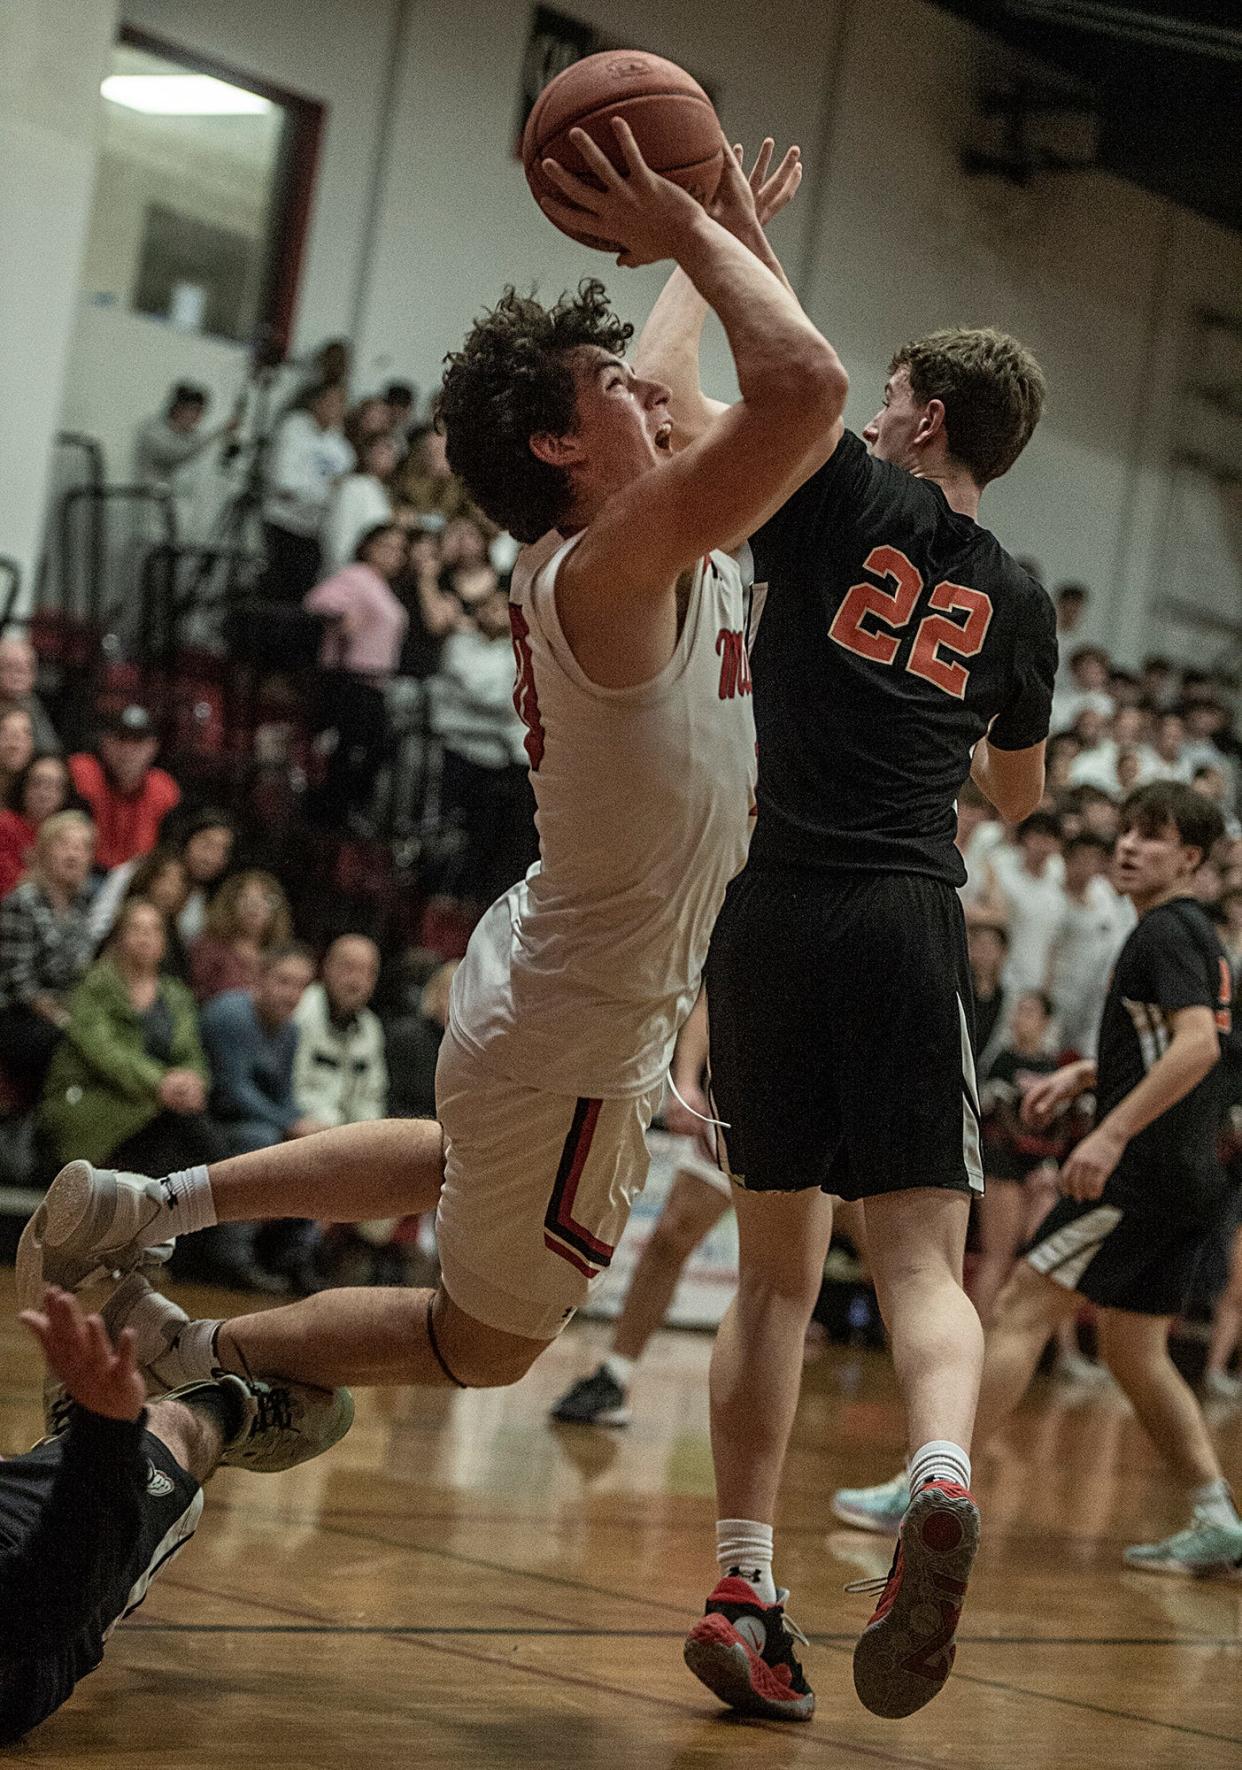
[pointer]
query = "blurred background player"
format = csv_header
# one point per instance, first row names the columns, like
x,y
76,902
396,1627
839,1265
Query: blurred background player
x,y
1144,1191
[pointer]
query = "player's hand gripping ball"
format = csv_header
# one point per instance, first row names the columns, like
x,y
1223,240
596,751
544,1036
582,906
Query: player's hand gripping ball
x,y
672,119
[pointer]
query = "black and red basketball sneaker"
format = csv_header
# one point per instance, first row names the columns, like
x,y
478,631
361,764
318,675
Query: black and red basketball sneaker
x,y
743,1651
905,1653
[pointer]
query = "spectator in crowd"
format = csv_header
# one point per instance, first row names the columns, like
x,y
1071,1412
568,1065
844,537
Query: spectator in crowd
x,y
414,1047
127,796
434,612
127,1086
39,792
1059,760
1210,779
427,484
1158,680
361,652
1207,724
1094,923
1009,1213
1125,687
251,1039
205,839
308,455
987,946
160,878
45,945
1070,602
1169,749
18,672
1122,750
1025,893
339,1075
360,502
1099,812
1082,684
368,421
169,448
247,921
484,785
466,572
398,396
17,747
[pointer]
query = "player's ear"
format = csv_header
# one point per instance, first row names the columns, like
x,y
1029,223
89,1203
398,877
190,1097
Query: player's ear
x,y
931,423
557,451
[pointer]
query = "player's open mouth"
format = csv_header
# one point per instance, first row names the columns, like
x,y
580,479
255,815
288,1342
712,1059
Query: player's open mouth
x,y
664,438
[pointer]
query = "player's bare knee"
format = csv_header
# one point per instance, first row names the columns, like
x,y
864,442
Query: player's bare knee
x,y
1029,1300
473,1354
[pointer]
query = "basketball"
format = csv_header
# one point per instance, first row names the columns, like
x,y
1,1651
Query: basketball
x,y
673,120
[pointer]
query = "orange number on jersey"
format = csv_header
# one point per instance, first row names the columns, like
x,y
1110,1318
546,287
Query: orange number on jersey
x,y
525,694
966,638
895,608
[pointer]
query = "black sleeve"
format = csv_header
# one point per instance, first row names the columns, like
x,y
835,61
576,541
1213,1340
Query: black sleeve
x,y
1171,968
1024,719
785,533
85,1529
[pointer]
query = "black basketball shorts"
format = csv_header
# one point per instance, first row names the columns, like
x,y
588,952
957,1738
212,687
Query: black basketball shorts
x,y
841,1020
1121,1259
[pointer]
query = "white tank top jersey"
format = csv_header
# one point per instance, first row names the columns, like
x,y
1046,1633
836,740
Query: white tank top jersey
x,y
579,978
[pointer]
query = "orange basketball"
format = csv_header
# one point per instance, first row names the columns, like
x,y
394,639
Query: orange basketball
x,y
673,121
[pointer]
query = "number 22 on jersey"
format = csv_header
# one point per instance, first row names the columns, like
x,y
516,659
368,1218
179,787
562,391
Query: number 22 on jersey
x,y
892,603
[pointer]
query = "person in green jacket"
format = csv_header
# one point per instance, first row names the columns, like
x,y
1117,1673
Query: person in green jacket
x,y
128,1084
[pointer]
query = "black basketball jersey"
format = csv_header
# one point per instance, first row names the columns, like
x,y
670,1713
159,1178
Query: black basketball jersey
x,y
895,632
1173,959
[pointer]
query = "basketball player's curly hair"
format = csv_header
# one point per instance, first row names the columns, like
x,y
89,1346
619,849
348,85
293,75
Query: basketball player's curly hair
x,y
991,387
510,381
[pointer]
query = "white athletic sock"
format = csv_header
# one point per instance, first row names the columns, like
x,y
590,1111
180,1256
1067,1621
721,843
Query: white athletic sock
x,y
188,1204
1213,1504
939,1461
192,1355
620,1369
744,1549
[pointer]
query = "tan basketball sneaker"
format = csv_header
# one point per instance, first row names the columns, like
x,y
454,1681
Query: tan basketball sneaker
x,y
91,1224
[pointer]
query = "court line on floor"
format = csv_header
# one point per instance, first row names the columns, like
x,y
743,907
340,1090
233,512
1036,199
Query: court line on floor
x,y
585,1630
1078,1702
838,1747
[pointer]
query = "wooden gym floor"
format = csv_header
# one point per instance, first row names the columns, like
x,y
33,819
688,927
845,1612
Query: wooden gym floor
x,y
460,1585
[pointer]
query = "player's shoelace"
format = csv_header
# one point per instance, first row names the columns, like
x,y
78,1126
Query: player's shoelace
x,y
275,1411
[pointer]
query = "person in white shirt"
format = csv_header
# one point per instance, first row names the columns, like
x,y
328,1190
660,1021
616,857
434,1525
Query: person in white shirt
x,y
1085,686
1025,893
359,502
339,1073
484,787
169,450
1169,749
308,454
1123,752
1093,926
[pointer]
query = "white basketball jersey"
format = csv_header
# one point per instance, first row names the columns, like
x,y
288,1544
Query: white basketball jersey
x,y
579,978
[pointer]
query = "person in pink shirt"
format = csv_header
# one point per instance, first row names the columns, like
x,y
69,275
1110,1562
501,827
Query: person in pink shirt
x,y
361,650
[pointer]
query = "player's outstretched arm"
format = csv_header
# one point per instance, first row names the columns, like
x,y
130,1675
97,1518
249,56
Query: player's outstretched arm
x,y
103,1379
787,423
668,346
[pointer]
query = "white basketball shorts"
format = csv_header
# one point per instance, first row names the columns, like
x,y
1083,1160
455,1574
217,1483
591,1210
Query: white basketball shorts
x,y
537,1191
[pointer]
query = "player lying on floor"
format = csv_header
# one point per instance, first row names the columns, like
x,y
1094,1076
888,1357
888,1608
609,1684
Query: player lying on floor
x,y
93,1512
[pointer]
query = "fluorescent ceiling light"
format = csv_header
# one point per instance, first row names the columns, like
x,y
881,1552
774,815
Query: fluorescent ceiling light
x,y
182,95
